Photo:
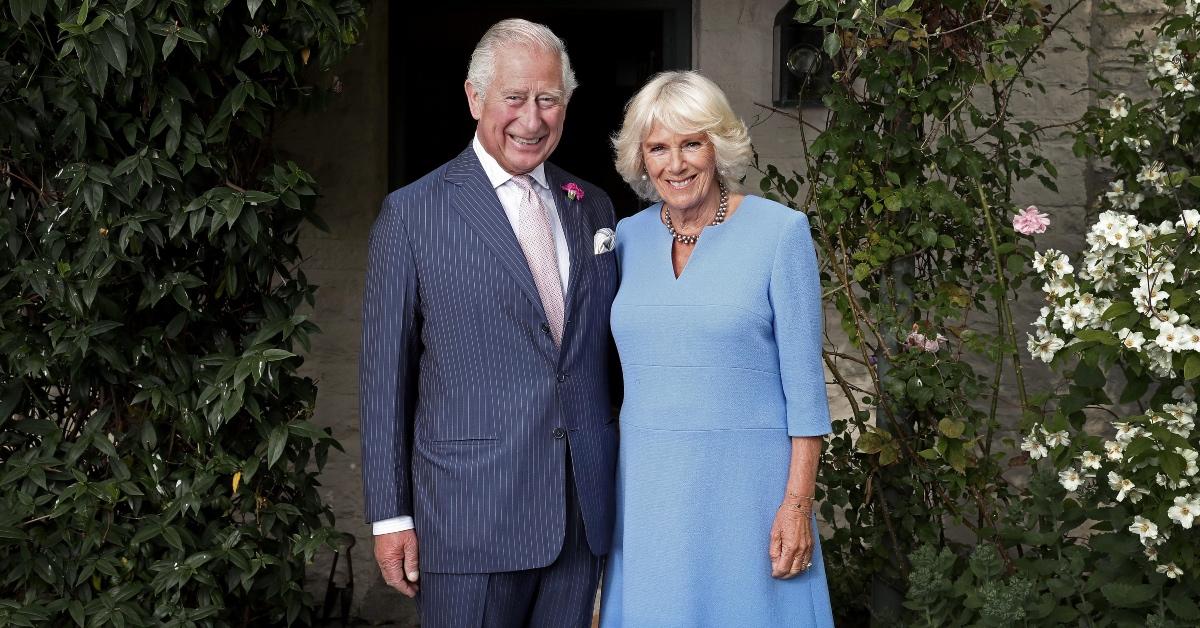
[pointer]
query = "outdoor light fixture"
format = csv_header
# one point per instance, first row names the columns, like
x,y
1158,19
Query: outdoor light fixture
x,y
802,71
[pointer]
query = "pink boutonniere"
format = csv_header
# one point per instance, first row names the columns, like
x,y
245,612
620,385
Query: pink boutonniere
x,y
574,192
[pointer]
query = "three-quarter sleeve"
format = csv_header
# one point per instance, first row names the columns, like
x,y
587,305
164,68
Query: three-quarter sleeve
x,y
387,370
795,294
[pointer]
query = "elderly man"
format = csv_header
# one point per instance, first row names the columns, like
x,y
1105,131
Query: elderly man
x,y
488,444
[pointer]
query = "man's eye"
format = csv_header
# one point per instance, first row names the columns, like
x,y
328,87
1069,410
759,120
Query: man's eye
x,y
513,98
547,101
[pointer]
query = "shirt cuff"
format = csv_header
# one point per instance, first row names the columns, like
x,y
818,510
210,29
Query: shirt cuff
x,y
395,524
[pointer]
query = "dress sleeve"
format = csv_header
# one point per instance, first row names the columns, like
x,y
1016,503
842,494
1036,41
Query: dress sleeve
x,y
795,295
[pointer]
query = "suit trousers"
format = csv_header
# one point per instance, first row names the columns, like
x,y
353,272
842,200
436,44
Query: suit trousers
x,y
559,595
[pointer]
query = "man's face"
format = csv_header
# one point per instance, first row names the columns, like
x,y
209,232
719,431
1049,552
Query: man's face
x,y
521,117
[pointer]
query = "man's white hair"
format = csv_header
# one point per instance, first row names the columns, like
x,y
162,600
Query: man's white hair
x,y
521,33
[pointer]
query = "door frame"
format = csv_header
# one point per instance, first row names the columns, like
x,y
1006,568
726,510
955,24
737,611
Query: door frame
x,y
676,44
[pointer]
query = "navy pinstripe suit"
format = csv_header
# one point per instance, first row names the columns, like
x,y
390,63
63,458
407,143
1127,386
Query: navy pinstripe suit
x,y
467,406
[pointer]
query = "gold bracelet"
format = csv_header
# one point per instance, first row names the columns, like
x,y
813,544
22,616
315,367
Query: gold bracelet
x,y
799,496
805,509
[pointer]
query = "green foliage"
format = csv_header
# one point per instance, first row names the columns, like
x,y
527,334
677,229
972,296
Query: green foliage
x,y
981,592
1070,571
1129,471
909,187
157,464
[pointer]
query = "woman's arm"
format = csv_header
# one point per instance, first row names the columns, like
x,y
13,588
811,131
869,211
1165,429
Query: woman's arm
x,y
795,294
792,544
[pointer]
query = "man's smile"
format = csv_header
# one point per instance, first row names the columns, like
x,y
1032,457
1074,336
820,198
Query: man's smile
x,y
526,141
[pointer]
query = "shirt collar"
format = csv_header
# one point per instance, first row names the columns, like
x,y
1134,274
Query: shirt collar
x,y
497,175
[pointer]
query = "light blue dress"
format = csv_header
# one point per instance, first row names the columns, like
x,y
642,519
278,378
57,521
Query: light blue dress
x,y
721,367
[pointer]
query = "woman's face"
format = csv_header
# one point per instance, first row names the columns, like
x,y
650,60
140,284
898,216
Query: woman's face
x,y
682,167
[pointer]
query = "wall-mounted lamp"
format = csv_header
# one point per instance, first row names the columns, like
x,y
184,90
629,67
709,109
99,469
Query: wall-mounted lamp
x,y
802,71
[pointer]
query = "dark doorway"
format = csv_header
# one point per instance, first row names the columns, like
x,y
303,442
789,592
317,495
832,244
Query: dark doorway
x,y
615,45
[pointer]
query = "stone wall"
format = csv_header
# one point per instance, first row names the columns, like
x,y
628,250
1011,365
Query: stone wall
x,y
345,148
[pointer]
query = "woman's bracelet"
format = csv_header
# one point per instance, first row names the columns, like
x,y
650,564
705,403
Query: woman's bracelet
x,y
803,507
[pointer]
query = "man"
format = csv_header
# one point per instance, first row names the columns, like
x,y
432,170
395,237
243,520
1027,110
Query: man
x,y
488,445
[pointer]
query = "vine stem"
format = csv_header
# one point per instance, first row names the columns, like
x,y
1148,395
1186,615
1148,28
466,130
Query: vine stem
x,y
1006,311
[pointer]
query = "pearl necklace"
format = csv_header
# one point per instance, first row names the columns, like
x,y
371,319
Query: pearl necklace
x,y
718,219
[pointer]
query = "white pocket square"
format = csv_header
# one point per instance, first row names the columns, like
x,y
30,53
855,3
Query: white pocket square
x,y
604,241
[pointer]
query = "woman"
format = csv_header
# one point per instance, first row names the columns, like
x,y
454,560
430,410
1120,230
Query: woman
x,y
718,325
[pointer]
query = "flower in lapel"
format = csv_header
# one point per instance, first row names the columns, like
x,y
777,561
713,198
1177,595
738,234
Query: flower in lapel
x,y
603,241
574,192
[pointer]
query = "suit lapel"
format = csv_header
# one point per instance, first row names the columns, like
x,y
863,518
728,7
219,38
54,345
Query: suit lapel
x,y
476,200
573,219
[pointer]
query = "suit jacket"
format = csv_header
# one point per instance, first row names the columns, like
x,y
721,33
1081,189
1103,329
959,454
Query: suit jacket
x,y
467,408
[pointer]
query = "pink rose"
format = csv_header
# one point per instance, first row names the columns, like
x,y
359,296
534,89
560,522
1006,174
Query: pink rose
x,y
1031,221
917,340
574,192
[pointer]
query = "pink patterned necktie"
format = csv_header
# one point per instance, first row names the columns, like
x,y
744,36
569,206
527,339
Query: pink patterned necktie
x,y
537,241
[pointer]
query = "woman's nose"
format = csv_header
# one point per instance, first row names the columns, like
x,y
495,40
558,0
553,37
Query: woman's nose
x,y
677,161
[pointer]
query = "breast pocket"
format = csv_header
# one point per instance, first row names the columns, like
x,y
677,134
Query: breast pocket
x,y
604,267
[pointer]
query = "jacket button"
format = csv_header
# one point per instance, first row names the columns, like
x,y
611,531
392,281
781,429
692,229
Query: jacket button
x,y
562,377
559,432
545,328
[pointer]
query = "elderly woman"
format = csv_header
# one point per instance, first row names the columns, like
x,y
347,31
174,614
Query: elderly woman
x,y
718,324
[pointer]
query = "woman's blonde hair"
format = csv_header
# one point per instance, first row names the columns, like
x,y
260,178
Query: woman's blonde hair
x,y
683,102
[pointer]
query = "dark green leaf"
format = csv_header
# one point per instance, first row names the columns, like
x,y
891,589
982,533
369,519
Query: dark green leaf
x,y
1172,464
1098,335
169,44
117,52
832,44
1124,595
1117,309
275,444
1183,605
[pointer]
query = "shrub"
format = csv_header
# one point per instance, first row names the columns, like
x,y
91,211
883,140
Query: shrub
x,y
909,184
1125,323
157,464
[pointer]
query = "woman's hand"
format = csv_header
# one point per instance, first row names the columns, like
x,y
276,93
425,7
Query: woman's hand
x,y
791,547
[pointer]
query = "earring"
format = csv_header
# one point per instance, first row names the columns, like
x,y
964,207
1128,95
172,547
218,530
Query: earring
x,y
643,176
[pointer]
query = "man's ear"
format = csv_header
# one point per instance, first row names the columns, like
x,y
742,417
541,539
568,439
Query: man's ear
x,y
473,100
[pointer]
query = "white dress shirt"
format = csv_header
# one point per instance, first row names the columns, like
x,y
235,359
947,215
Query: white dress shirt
x,y
510,199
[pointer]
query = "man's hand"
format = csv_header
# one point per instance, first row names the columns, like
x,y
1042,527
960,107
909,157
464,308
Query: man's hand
x,y
396,554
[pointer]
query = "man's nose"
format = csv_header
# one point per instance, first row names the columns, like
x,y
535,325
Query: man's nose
x,y
530,115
